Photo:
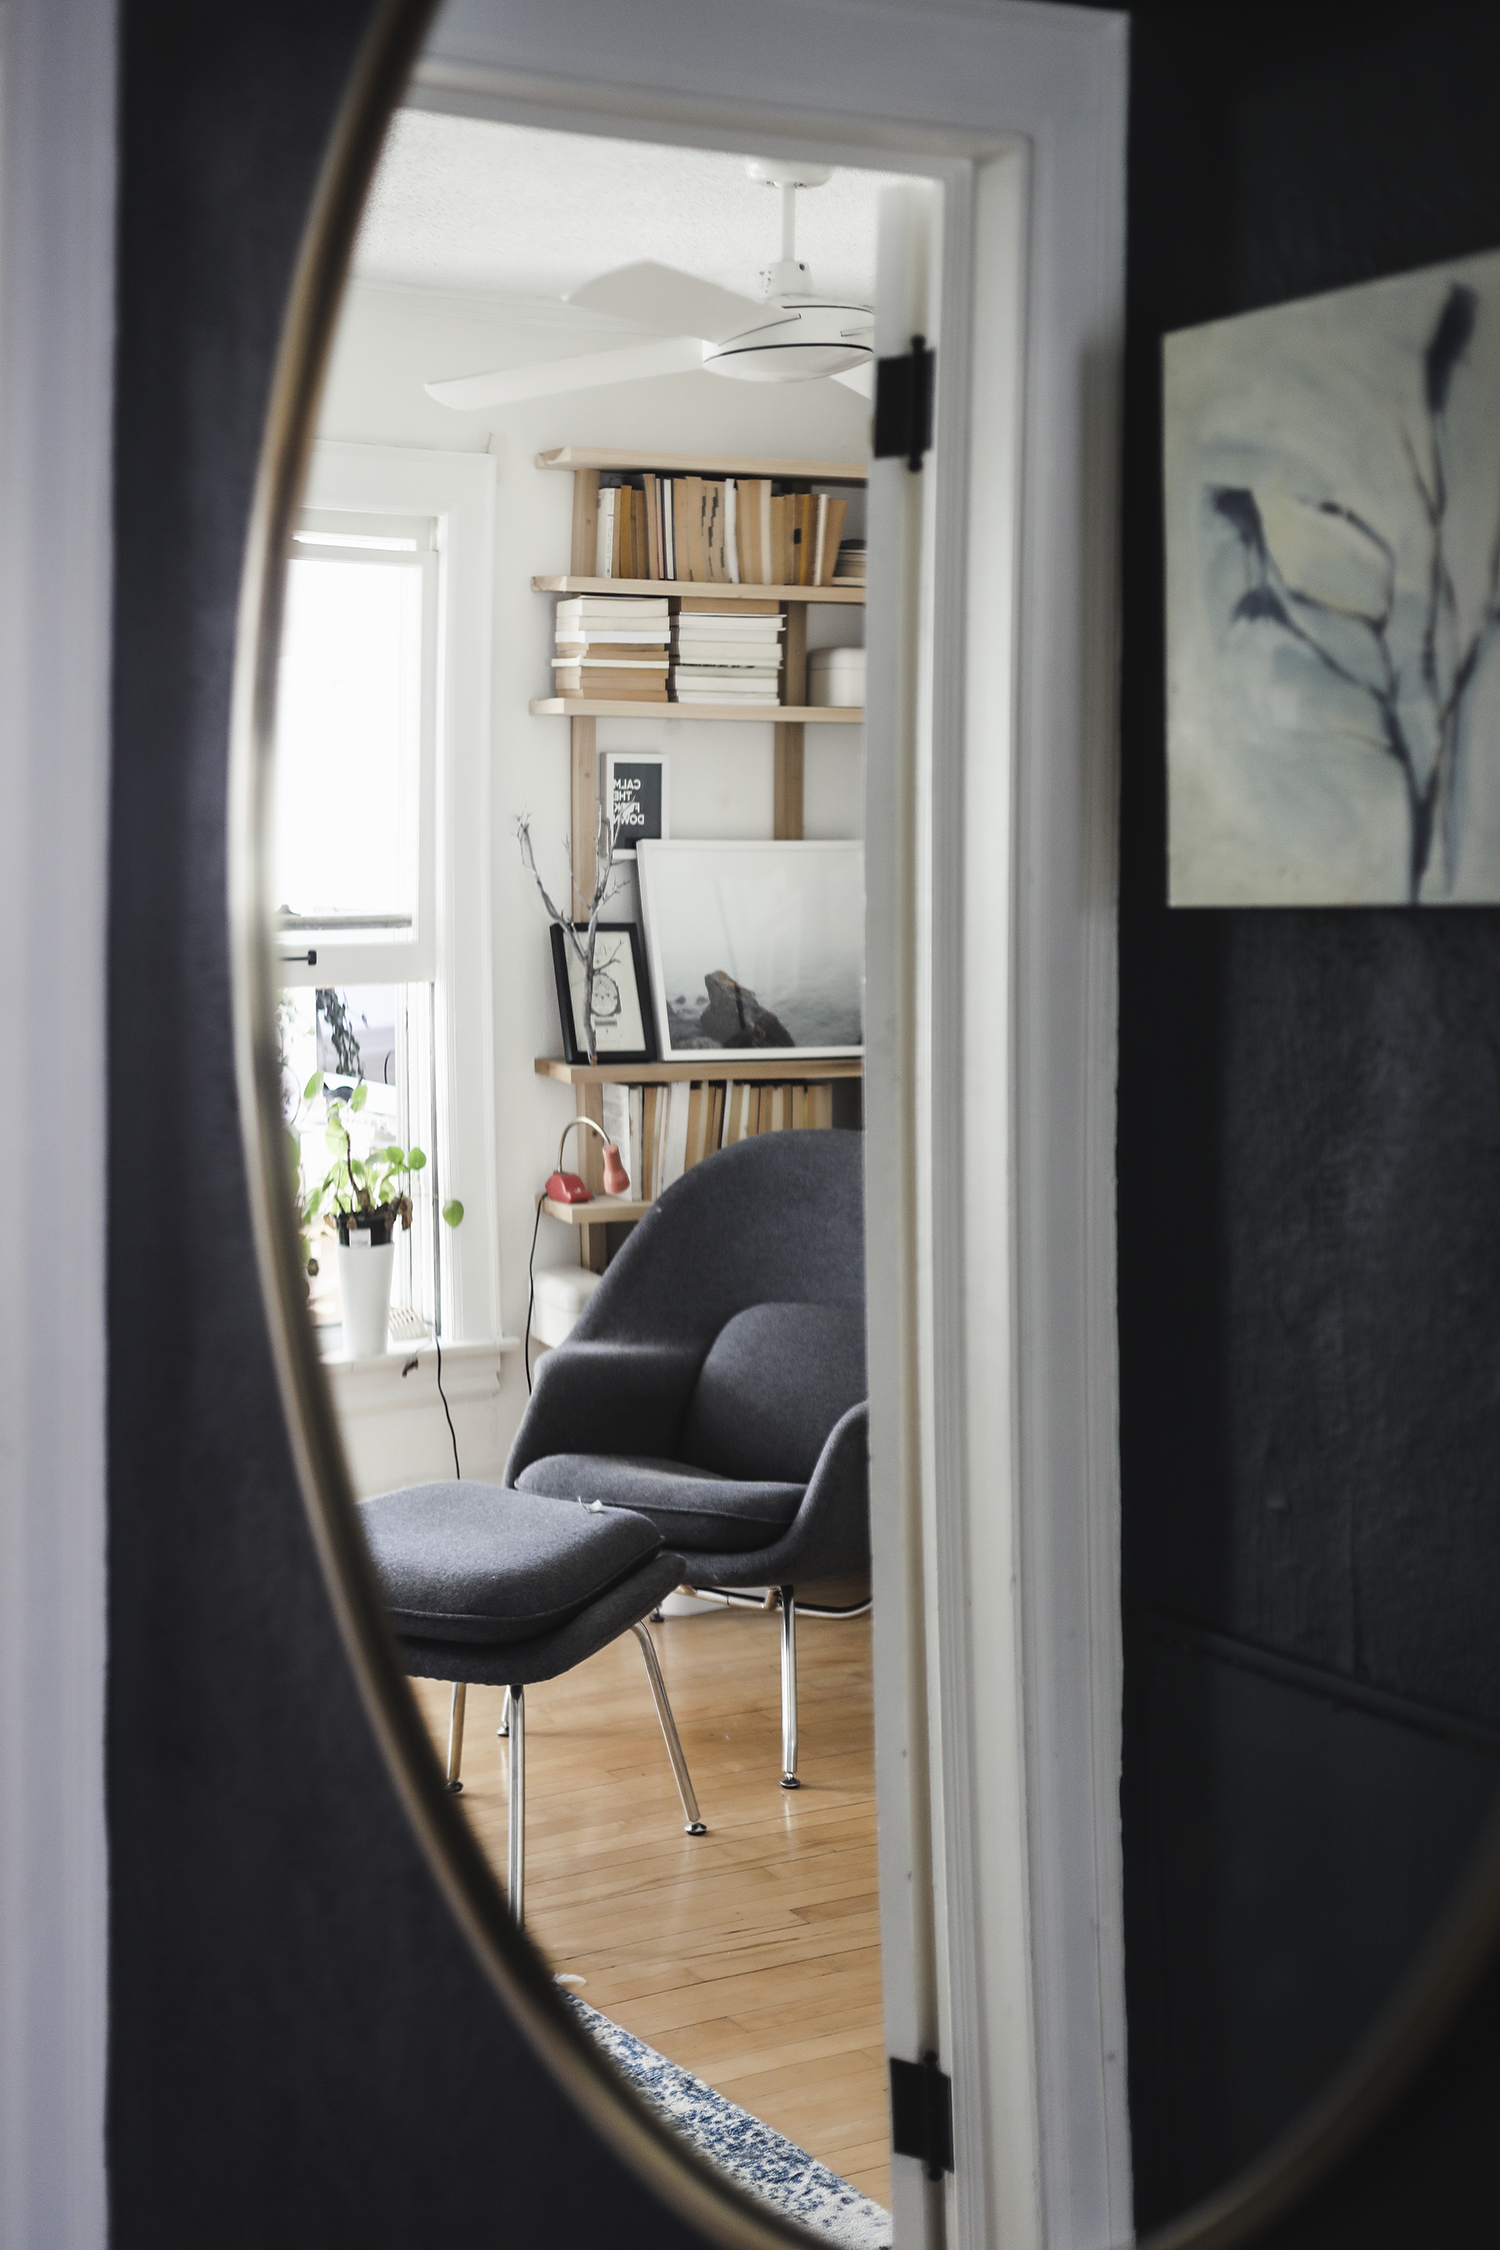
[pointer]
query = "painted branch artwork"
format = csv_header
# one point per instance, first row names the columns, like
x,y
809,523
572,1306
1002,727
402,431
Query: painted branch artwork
x,y
1333,598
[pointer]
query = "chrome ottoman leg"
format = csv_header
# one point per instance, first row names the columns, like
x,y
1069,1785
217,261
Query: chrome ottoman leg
x,y
789,1689
695,1825
456,1734
515,1824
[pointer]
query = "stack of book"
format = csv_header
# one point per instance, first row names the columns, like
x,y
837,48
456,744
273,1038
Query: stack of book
x,y
849,570
612,646
663,1131
726,531
727,655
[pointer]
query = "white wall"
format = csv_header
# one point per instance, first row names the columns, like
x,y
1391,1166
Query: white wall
x,y
391,340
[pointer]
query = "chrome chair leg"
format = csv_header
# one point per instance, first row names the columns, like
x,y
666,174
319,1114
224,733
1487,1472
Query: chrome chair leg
x,y
515,1822
695,1825
456,1734
504,1727
789,1689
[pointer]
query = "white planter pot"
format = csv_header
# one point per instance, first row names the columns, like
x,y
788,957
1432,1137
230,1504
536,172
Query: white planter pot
x,y
365,1294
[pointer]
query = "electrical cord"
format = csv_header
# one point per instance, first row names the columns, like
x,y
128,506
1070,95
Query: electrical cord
x,y
531,1299
443,1395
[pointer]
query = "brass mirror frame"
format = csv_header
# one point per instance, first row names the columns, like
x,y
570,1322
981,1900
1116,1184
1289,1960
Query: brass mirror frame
x,y
1460,1946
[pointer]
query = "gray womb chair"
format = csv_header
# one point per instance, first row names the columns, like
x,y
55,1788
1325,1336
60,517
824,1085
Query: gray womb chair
x,y
715,1383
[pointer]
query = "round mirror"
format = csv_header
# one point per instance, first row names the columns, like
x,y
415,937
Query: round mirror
x,y
603,1092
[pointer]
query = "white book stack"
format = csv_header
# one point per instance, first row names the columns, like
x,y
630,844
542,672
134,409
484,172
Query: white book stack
x,y
613,647
720,656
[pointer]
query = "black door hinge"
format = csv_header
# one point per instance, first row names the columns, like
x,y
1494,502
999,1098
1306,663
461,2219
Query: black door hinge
x,y
903,404
922,2113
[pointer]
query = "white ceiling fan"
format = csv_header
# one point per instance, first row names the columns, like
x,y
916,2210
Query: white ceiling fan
x,y
789,334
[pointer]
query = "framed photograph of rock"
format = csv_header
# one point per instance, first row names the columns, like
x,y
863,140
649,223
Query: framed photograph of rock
x,y
637,796
622,1012
1332,490
756,946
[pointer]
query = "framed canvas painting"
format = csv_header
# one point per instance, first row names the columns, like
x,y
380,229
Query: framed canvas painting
x,y
755,946
1332,490
622,1015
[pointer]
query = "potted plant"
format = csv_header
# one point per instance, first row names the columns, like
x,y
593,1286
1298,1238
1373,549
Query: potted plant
x,y
365,1199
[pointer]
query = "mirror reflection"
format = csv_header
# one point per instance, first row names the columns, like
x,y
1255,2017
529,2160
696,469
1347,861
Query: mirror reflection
x,y
569,917
569,891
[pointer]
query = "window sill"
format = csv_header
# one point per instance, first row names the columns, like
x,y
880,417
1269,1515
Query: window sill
x,y
405,1377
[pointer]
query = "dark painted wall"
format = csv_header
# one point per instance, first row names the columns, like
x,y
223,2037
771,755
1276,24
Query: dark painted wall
x,y
302,2050
1309,1182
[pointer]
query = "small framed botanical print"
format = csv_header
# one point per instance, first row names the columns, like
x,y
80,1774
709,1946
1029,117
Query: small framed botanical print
x,y
637,798
622,1012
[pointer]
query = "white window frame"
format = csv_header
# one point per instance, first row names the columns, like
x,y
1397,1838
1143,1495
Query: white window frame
x,y
345,956
456,492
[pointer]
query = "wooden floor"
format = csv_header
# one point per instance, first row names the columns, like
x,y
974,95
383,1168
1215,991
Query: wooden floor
x,y
750,1955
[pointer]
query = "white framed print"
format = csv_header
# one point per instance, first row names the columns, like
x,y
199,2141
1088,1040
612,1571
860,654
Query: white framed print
x,y
755,946
637,797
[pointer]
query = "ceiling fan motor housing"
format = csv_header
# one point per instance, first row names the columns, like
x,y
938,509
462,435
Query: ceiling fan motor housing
x,y
812,337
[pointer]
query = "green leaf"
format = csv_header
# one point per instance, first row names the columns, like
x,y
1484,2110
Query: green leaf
x,y
314,1086
360,1096
415,1160
453,1213
334,1135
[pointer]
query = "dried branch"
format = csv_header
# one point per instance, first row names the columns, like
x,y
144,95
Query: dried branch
x,y
606,837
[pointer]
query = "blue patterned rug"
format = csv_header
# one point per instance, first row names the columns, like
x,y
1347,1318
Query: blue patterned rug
x,y
760,2161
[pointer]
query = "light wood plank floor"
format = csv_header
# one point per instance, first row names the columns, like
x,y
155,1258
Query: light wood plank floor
x,y
750,1955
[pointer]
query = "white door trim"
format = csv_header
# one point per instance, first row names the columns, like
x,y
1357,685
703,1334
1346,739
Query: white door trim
x,y
1013,1359
57,257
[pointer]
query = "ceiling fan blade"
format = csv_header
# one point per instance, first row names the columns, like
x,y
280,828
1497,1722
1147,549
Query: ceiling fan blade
x,y
507,386
861,378
675,303
557,312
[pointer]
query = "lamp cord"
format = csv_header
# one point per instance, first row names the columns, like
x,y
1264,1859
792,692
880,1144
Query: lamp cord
x,y
531,1299
443,1395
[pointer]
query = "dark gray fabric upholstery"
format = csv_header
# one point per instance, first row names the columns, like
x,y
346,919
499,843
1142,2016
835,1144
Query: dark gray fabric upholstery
x,y
526,1663
775,1223
776,1379
829,1537
689,1507
468,1562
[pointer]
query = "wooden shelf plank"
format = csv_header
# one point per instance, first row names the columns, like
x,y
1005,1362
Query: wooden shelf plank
x,y
752,1066
700,590
604,1210
702,464
768,714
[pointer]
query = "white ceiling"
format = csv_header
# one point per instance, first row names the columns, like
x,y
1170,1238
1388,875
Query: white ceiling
x,y
460,203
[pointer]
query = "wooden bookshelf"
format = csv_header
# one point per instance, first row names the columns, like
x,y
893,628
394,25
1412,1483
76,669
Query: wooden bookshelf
x,y
703,465
769,714
788,720
603,1211
701,589
746,1066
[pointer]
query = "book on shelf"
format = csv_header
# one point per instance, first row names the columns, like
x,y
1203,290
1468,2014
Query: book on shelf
x,y
662,1131
615,647
723,656
725,531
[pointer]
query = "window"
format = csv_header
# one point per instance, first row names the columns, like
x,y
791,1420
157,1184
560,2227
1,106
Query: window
x,y
382,839
356,709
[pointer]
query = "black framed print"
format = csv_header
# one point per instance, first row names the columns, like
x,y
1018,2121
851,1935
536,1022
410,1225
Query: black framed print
x,y
637,797
622,1018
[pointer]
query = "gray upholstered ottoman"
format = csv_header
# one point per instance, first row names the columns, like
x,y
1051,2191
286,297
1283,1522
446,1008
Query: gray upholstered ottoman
x,y
506,1589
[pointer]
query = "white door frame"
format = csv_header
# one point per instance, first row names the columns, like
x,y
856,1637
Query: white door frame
x,y
996,1481
57,287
